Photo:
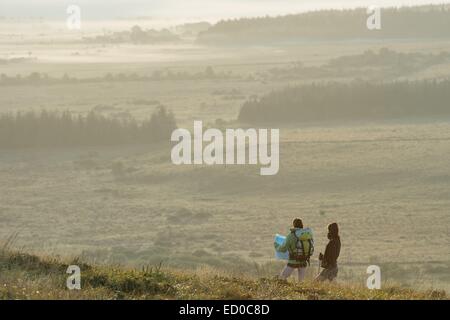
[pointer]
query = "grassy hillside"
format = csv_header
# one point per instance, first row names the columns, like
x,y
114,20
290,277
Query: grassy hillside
x,y
25,276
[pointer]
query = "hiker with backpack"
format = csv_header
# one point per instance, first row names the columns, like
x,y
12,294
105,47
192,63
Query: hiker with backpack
x,y
328,260
300,246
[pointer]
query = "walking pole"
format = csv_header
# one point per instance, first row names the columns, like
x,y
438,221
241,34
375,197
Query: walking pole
x,y
319,264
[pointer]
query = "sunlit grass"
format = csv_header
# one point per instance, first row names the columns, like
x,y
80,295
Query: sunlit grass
x,y
25,276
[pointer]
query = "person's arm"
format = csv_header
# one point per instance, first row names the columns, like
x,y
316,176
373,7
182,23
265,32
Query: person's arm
x,y
330,254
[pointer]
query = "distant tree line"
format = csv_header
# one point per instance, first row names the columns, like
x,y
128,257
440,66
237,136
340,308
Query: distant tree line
x,y
136,35
386,57
37,78
53,129
350,101
369,64
16,60
191,29
431,21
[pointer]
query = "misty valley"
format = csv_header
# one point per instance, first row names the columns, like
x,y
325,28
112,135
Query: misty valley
x,y
189,146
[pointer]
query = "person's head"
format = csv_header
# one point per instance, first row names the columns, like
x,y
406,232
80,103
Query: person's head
x,y
333,231
298,223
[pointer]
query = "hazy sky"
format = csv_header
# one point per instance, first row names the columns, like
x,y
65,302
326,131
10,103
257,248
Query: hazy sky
x,y
176,9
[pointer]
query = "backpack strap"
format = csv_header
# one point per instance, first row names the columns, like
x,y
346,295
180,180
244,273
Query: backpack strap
x,y
310,247
302,246
295,236
306,256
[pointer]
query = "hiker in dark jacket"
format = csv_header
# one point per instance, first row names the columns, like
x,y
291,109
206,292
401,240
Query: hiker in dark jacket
x,y
332,251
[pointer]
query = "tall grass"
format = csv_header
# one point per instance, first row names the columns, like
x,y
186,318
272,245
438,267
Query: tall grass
x,y
26,276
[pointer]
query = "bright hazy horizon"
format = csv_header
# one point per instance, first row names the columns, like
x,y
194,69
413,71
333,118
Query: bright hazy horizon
x,y
176,10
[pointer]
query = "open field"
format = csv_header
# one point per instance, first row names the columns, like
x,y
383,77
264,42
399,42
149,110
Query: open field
x,y
385,184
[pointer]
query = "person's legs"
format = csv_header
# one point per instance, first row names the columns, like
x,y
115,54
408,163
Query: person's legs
x,y
287,271
301,274
322,276
327,274
333,274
